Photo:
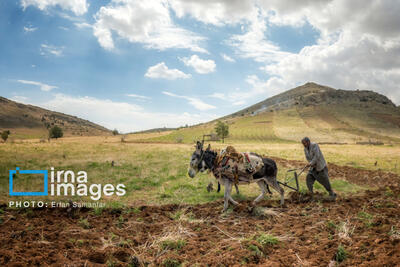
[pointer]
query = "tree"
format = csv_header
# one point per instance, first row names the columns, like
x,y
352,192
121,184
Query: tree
x,y
222,130
115,132
4,135
56,132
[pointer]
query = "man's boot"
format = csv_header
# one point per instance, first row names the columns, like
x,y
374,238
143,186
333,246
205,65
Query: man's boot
x,y
332,196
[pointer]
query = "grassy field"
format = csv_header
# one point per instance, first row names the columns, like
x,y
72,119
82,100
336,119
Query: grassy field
x,y
329,124
156,173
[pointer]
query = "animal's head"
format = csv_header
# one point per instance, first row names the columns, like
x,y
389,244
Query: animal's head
x,y
197,161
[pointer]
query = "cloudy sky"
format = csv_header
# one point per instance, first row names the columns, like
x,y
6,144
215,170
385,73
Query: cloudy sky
x,y
136,65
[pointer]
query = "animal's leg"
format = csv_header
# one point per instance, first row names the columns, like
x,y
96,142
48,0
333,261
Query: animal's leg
x,y
261,196
228,191
237,189
227,195
267,186
219,187
233,201
274,183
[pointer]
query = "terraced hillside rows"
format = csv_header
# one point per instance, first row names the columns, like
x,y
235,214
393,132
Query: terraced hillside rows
x,y
323,113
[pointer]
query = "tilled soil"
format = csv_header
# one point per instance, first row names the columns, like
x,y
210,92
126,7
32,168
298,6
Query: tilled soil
x,y
308,231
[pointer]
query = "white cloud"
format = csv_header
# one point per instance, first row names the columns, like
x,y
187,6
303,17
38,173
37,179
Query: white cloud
x,y
227,58
161,71
78,7
357,47
258,89
253,43
29,28
46,50
378,18
218,95
43,86
200,65
83,25
219,12
359,52
197,103
146,22
139,96
20,99
128,118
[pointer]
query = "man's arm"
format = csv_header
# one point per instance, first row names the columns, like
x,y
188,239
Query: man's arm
x,y
317,154
307,154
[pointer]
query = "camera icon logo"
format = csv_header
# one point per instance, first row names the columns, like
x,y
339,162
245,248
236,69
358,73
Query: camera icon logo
x,y
45,191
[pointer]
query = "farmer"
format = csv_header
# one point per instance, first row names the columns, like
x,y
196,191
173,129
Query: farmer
x,y
319,169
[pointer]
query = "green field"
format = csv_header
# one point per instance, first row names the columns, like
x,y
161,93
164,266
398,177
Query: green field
x,y
328,124
157,173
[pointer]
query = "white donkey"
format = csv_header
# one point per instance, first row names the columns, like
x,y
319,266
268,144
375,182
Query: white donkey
x,y
203,160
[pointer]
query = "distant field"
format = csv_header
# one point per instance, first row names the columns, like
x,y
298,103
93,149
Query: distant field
x,y
156,173
328,124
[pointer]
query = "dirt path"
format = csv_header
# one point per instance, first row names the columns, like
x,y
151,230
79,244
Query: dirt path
x,y
307,233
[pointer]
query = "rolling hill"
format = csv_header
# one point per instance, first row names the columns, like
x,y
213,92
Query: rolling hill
x,y
27,121
323,113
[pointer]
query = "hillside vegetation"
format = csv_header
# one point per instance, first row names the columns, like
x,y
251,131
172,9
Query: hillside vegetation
x,y
323,113
27,121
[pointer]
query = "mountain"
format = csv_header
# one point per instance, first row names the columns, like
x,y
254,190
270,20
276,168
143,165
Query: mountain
x,y
27,121
312,94
323,113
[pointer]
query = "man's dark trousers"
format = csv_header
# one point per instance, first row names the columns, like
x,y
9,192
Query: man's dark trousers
x,y
321,176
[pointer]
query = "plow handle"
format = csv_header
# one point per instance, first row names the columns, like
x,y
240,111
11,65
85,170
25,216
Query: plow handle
x,y
302,170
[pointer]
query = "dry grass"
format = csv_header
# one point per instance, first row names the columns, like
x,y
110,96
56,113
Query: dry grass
x,y
157,173
345,230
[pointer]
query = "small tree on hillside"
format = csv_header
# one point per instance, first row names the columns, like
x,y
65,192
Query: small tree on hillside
x,y
4,135
222,130
115,132
56,132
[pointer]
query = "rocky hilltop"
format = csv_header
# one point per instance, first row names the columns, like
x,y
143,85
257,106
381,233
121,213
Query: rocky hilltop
x,y
312,94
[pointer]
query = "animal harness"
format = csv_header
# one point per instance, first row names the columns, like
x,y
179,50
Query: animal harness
x,y
238,167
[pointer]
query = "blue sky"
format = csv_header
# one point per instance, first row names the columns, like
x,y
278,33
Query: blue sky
x,y
135,65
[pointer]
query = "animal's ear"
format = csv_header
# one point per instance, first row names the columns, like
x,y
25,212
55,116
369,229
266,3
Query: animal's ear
x,y
199,145
209,147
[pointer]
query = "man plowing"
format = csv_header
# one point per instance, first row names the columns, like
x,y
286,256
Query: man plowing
x,y
318,168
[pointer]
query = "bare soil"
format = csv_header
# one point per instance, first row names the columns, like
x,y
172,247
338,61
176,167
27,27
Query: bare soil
x,y
309,231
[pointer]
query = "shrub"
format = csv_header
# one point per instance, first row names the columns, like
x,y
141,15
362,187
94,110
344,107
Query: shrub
x,y
267,239
222,130
4,135
172,244
255,250
341,254
171,263
84,223
56,132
